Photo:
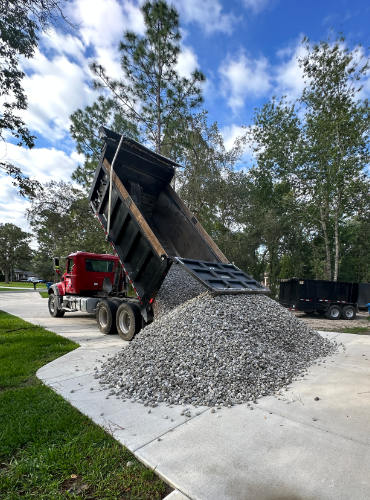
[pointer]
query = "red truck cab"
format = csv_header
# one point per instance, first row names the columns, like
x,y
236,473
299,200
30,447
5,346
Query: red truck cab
x,y
85,273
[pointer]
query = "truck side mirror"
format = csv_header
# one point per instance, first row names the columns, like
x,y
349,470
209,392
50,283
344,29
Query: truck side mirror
x,y
56,261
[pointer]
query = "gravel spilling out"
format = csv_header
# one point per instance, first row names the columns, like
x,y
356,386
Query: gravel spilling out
x,y
178,287
213,351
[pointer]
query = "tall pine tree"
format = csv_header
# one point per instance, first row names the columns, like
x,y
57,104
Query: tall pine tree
x,y
151,93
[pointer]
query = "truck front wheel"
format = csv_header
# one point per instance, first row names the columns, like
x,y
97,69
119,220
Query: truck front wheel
x,y
106,316
53,307
128,320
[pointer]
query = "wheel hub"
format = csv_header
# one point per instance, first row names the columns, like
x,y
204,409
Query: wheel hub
x,y
103,317
124,322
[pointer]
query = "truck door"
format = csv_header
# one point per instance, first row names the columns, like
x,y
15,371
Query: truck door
x,y
70,276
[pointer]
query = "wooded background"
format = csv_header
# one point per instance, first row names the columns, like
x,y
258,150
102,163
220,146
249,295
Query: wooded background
x,y
299,206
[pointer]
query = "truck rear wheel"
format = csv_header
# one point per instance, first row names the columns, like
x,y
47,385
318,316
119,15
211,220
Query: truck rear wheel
x,y
53,307
349,312
334,312
128,320
106,316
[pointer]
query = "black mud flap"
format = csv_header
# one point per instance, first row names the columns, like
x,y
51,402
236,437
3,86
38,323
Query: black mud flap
x,y
221,278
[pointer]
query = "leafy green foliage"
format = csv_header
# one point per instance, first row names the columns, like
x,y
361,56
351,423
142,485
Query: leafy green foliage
x,y
20,22
15,249
63,223
85,124
215,192
318,148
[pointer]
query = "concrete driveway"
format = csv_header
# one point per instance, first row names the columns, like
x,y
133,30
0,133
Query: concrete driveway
x,y
309,442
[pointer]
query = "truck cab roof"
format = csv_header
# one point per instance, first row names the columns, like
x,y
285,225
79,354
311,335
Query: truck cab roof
x,y
91,255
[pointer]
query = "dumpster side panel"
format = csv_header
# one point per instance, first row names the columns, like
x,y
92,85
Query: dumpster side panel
x,y
288,292
336,291
363,294
310,295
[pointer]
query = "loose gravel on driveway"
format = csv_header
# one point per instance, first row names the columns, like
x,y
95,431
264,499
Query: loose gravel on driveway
x,y
212,351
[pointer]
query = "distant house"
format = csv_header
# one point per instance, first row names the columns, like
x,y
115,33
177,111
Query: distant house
x,y
20,275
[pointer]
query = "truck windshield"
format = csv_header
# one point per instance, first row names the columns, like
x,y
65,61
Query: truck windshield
x,y
102,266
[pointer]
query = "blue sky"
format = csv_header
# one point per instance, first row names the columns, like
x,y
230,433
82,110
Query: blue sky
x,y
247,50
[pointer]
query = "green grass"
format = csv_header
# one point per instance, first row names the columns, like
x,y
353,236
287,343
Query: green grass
x,y
48,449
44,295
21,284
356,329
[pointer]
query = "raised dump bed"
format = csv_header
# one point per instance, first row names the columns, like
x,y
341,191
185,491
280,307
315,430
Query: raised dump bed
x,y
150,227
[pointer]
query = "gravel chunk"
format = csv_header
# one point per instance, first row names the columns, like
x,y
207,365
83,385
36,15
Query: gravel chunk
x,y
212,351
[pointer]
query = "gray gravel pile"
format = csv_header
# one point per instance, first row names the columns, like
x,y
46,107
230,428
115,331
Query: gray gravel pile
x,y
213,351
178,287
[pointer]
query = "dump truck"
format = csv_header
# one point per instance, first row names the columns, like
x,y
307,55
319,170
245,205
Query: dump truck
x,y
150,229
334,299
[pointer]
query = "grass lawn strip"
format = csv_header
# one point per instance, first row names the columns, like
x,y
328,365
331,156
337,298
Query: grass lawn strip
x,y
21,284
48,449
357,329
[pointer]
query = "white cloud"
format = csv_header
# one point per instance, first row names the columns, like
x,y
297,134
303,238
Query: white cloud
x,y
230,133
108,57
55,88
255,5
288,74
187,62
63,43
208,13
43,164
243,77
100,23
365,91
12,206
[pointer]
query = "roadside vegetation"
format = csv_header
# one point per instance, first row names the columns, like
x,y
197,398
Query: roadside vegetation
x,y
48,449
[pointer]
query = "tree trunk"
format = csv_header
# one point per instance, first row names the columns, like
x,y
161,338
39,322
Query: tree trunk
x,y
336,243
273,264
327,246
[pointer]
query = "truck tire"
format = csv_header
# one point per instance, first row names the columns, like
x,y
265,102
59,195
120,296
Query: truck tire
x,y
128,320
349,312
334,312
106,316
53,307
